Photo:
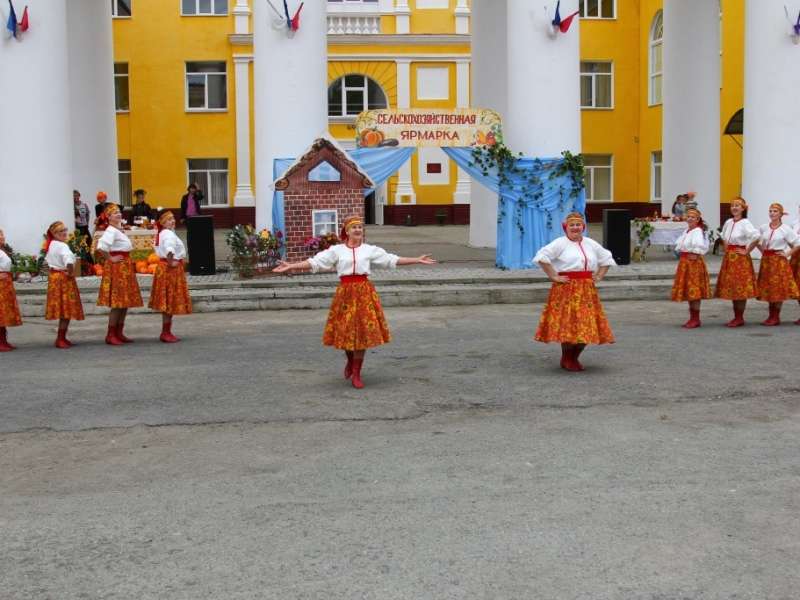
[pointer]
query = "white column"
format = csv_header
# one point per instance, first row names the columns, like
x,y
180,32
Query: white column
x,y
244,189
35,152
91,99
290,93
462,193
462,17
772,110
241,17
402,17
404,186
489,90
691,128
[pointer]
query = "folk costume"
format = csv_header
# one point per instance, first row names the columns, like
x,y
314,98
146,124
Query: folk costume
x,y
776,282
119,289
63,297
692,283
573,314
355,320
795,262
9,308
170,292
737,277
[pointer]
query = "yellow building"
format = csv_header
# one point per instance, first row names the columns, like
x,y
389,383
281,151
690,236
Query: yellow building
x,y
177,64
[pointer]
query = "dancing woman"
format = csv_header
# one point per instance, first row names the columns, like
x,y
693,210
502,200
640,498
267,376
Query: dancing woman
x,y
691,283
776,281
170,292
9,308
63,297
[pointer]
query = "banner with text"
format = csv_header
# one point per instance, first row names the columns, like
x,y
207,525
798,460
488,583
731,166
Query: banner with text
x,y
458,127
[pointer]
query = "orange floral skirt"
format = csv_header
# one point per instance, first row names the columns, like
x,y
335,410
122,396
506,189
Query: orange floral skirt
x,y
573,315
356,320
170,291
775,279
63,297
691,280
737,278
795,263
119,288
9,309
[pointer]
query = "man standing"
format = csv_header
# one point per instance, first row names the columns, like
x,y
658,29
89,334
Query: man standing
x,y
190,202
81,214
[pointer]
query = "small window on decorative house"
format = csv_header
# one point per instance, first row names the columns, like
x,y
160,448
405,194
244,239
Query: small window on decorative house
x,y
320,190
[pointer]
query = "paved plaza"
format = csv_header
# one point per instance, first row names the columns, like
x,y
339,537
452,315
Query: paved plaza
x,y
239,464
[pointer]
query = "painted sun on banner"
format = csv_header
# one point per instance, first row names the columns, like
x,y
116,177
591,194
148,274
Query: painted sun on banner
x,y
459,127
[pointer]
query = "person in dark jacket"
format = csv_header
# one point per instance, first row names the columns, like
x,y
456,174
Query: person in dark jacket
x,y
190,202
140,207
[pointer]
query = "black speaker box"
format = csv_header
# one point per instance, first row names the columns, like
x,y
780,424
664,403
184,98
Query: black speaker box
x,y
200,242
617,234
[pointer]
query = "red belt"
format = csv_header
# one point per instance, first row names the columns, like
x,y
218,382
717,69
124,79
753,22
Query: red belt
x,y
164,261
52,270
119,253
352,278
576,274
688,254
735,247
771,252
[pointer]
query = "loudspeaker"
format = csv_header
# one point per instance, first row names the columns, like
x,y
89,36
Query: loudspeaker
x,y
200,242
617,234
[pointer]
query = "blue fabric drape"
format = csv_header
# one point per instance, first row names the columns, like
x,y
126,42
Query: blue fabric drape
x,y
378,163
529,215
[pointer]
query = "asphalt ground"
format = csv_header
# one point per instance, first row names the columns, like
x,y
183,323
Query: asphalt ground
x,y
239,464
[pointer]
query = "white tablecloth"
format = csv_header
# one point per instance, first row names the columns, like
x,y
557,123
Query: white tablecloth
x,y
665,233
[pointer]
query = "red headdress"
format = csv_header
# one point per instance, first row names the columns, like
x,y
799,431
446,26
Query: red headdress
x,y
698,214
162,221
49,237
349,222
573,217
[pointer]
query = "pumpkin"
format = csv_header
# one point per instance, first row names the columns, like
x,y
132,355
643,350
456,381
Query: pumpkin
x,y
141,266
153,259
152,269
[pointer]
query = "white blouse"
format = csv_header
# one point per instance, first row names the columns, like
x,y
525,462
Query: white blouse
x,y
5,262
780,239
113,240
694,241
739,233
59,256
353,261
169,242
565,255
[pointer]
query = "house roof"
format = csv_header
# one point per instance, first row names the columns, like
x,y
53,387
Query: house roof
x,y
324,141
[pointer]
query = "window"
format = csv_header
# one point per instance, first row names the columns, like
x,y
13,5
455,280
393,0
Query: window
x,y
324,221
656,58
125,187
353,94
206,86
655,176
204,7
598,9
597,85
598,177
121,96
211,176
324,171
121,9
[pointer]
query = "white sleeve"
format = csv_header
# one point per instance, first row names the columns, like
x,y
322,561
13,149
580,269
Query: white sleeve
x,y
381,259
66,254
106,240
324,260
168,244
547,254
791,237
752,233
697,242
5,262
604,257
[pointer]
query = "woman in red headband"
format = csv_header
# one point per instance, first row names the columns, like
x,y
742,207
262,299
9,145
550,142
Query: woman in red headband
x,y
9,308
119,289
776,281
355,320
63,297
691,283
170,292
573,314
737,277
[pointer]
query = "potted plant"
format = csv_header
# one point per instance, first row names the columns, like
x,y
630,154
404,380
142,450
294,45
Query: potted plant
x,y
254,251
79,245
26,266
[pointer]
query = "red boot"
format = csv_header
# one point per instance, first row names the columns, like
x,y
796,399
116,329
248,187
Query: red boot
x,y
774,318
565,356
694,319
4,345
121,336
348,368
111,336
356,378
737,320
61,340
166,334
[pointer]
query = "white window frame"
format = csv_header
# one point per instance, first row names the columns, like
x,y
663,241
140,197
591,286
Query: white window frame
x,y
590,169
656,165
314,221
186,75
207,191
583,9
125,201
594,77
654,43
115,10
197,12
125,76
365,89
